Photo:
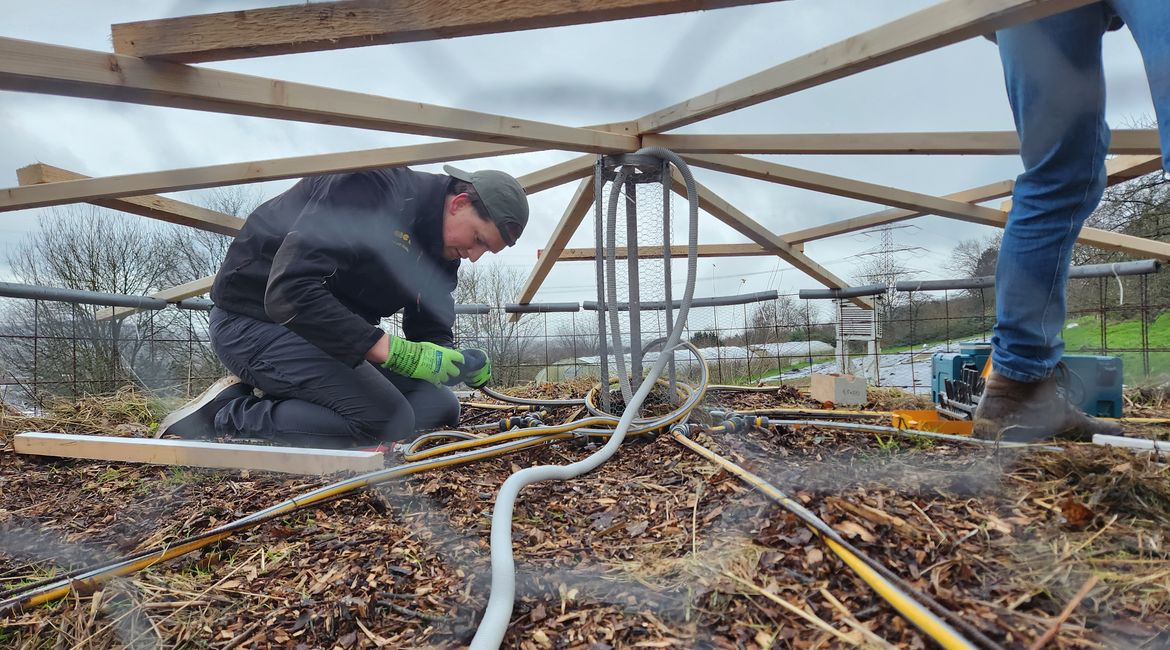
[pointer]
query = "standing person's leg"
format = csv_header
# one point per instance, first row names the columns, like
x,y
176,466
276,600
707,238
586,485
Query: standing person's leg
x,y
311,399
1056,87
1149,22
434,406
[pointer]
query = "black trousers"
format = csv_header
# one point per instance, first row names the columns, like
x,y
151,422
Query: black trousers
x,y
313,400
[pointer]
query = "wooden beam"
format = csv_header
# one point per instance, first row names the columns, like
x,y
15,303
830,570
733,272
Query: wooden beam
x,y
1124,141
948,22
905,199
1118,169
714,205
799,237
574,213
676,252
192,453
91,189
558,174
725,212
882,217
42,68
532,183
1124,168
174,294
708,201
154,207
333,25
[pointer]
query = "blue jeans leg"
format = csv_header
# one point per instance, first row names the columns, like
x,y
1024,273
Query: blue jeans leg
x,y
1149,22
1056,87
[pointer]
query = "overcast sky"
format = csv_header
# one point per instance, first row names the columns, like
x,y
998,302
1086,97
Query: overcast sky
x,y
575,75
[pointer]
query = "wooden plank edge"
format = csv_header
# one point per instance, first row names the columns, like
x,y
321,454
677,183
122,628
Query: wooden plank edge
x,y
194,453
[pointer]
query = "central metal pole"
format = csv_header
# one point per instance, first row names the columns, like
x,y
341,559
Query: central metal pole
x,y
633,284
599,256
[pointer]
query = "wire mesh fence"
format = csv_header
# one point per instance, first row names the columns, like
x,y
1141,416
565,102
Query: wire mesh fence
x,y
53,348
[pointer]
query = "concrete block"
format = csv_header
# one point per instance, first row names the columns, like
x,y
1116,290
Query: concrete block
x,y
841,390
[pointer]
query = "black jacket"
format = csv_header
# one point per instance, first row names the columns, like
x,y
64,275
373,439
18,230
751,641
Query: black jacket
x,y
332,255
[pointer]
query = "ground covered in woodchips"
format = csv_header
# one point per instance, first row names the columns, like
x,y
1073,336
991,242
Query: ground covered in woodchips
x,y
658,548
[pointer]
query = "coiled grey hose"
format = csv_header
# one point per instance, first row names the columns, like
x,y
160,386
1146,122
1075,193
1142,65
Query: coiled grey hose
x,y
494,625
486,390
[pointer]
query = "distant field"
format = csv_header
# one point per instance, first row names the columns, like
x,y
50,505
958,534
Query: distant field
x,y
1086,339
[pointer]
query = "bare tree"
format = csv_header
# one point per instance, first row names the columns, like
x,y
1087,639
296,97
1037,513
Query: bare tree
x,y
69,350
197,254
777,321
1140,207
507,342
578,338
974,258
63,348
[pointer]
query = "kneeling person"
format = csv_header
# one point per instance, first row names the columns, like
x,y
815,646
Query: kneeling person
x,y
303,286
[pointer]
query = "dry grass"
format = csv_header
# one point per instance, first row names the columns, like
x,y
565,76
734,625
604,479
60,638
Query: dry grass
x,y
127,412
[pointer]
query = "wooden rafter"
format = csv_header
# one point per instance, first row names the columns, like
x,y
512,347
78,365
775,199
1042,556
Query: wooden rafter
x,y
154,207
558,174
355,23
37,67
908,200
197,453
574,213
942,24
190,178
676,252
1118,169
182,292
711,203
1123,168
717,207
1124,141
43,68
537,181
892,215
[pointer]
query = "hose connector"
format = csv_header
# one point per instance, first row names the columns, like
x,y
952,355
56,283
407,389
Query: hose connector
x,y
519,422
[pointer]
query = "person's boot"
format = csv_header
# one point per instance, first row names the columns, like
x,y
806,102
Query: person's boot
x,y
1018,411
196,419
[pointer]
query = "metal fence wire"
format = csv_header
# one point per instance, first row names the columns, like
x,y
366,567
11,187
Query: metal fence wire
x,y
54,344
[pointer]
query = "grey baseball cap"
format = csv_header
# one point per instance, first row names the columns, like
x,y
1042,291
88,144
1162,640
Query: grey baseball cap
x,y
502,197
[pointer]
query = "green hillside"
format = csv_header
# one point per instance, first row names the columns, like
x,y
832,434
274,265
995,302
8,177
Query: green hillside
x,y
1085,338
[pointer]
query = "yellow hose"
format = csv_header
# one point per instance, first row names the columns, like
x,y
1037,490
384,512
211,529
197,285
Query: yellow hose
x,y
909,608
799,411
503,407
60,588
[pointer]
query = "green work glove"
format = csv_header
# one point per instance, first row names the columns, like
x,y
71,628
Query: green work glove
x,y
477,378
422,360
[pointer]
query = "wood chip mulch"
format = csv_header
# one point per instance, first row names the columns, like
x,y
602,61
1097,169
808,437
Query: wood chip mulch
x,y
657,548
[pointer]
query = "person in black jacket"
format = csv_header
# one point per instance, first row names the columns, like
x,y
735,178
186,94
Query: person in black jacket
x,y
303,287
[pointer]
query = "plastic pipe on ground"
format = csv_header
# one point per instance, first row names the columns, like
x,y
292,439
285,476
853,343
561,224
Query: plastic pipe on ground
x,y
1132,443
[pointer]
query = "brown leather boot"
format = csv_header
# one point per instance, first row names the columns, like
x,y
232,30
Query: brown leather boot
x,y
1019,411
